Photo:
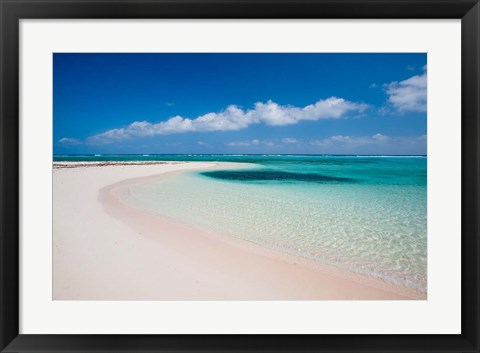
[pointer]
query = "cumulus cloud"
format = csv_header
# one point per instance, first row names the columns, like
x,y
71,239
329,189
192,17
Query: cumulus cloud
x,y
351,140
290,140
67,141
335,144
269,143
234,118
341,138
379,137
245,143
410,94
374,144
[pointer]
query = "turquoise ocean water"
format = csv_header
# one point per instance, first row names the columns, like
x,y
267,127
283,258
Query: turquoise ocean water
x,y
367,214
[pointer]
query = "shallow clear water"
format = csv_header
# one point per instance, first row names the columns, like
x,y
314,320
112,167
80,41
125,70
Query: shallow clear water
x,y
365,214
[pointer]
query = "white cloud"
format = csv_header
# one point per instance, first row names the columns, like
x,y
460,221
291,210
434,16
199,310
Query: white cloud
x,y
410,94
351,140
234,118
67,141
341,138
290,140
375,144
379,137
382,111
269,143
245,143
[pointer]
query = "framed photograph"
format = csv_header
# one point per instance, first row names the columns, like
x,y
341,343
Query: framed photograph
x,y
237,176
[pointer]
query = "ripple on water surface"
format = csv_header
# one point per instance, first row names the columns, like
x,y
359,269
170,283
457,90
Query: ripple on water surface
x,y
365,221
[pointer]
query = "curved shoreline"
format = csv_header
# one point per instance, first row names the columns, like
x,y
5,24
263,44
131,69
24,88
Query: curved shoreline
x,y
275,275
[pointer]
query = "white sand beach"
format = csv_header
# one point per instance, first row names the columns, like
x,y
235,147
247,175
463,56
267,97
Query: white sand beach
x,y
105,249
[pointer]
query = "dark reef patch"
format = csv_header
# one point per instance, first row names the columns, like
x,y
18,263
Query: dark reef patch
x,y
273,175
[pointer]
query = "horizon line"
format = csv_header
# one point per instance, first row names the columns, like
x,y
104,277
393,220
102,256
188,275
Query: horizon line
x,y
232,154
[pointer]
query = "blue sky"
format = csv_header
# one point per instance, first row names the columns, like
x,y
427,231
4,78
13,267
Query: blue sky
x,y
240,103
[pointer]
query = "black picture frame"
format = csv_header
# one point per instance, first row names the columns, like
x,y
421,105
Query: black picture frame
x,y
11,11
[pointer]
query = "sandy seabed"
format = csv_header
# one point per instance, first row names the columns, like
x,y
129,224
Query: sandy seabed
x,y
105,249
